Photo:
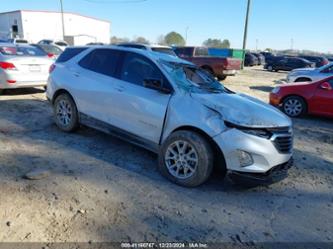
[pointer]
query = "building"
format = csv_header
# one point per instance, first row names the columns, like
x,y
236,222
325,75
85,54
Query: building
x,y
37,25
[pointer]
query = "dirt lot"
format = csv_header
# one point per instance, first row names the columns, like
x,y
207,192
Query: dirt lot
x,y
103,189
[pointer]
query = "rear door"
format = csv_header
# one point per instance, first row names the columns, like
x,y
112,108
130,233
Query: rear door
x,y
94,88
323,100
137,109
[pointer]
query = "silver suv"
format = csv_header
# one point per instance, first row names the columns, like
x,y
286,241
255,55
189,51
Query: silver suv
x,y
173,108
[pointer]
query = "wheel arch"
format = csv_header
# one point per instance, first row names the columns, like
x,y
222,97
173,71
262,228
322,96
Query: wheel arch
x,y
219,157
303,77
207,67
296,95
59,92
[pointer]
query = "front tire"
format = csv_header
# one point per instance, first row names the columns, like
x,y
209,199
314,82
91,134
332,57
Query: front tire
x,y
65,113
186,158
294,106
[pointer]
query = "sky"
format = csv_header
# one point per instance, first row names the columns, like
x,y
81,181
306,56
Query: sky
x,y
277,24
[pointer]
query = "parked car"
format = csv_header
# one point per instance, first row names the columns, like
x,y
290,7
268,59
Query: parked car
x,y
95,43
250,60
218,66
51,50
260,57
297,99
59,43
318,60
310,74
155,48
18,41
173,108
268,55
288,64
23,66
330,58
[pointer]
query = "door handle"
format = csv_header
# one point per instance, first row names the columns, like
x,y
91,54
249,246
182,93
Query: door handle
x,y
76,74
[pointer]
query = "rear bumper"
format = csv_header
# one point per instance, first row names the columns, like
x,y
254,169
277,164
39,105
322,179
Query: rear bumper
x,y
273,175
229,72
22,84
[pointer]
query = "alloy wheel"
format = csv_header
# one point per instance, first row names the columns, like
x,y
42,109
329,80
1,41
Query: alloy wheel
x,y
293,107
181,159
64,112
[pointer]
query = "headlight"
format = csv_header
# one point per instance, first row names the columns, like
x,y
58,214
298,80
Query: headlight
x,y
276,89
252,131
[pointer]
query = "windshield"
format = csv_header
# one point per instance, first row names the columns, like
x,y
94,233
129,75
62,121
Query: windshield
x,y
192,78
22,51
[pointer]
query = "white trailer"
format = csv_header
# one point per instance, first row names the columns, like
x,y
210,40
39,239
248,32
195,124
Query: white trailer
x,y
37,25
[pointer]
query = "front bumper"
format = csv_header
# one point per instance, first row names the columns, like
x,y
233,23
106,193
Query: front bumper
x,y
276,174
264,152
274,99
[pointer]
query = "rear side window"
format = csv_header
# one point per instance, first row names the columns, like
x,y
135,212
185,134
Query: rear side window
x,y
102,61
136,68
69,53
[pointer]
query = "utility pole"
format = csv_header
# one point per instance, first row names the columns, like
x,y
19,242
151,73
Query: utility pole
x,y
245,29
62,20
292,44
186,30
257,41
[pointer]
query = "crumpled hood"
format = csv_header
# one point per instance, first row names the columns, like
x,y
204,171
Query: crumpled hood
x,y
243,110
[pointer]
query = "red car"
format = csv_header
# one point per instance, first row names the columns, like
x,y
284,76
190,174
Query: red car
x,y
296,99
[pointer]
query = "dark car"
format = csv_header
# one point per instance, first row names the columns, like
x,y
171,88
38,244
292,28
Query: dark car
x,y
250,60
287,63
260,57
318,60
268,56
330,58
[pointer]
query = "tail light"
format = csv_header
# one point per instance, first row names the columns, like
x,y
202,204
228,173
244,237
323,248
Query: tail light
x,y
52,67
7,65
11,81
50,55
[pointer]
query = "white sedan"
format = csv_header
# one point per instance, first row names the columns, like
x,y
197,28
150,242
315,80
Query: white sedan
x,y
23,66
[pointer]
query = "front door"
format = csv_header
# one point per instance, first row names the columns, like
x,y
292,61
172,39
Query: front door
x,y
137,109
323,100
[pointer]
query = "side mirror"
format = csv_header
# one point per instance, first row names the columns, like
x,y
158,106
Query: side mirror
x,y
156,84
326,86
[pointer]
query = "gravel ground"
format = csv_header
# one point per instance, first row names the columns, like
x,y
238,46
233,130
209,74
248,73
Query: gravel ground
x,y
100,188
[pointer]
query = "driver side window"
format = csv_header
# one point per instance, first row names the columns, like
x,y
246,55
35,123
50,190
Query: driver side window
x,y
136,68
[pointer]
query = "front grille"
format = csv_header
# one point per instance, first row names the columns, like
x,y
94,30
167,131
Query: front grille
x,y
283,143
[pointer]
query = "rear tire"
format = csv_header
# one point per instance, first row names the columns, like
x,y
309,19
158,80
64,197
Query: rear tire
x,y
186,158
65,113
270,68
294,106
303,79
